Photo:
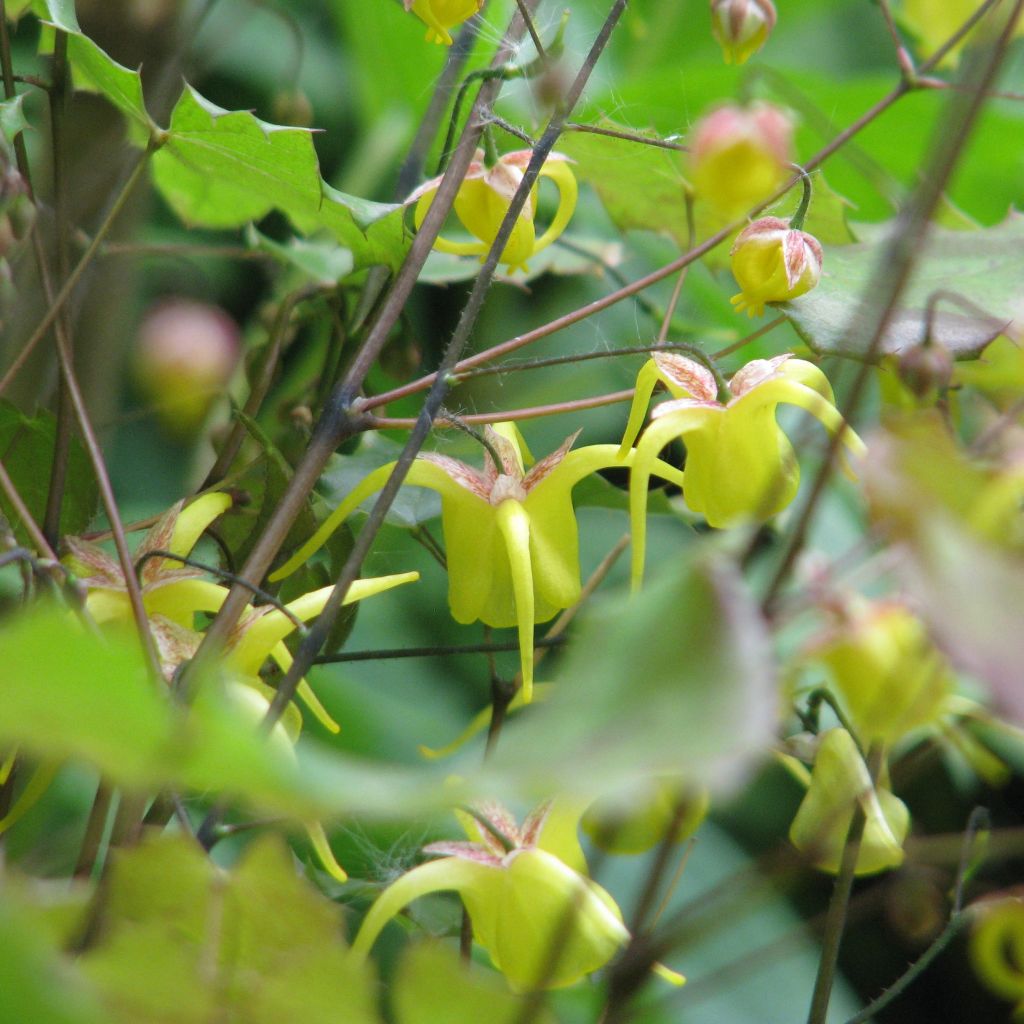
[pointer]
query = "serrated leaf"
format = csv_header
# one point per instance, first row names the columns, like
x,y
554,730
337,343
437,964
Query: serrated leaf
x,y
223,168
985,267
96,70
640,186
26,450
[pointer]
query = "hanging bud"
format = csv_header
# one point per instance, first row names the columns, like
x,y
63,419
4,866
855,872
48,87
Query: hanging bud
x,y
740,156
773,262
186,354
925,370
741,27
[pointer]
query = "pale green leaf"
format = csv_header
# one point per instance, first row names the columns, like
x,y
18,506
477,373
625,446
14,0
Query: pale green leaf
x,y
12,117
984,267
223,168
434,985
319,261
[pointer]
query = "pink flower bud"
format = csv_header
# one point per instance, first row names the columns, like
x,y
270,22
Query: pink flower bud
x,y
741,26
773,262
186,354
739,156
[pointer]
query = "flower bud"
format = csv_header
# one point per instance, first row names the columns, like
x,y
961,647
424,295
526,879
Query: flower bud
x,y
186,354
741,27
773,262
740,156
925,369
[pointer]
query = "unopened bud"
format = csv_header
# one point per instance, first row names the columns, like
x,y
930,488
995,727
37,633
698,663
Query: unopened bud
x,y
741,27
773,262
293,107
186,354
925,369
740,156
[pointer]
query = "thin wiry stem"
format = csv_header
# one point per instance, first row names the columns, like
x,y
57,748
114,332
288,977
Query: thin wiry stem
x,y
532,413
627,136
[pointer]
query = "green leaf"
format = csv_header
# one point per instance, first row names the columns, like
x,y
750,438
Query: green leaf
x,y
434,985
36,983
95,70
640,186
676,680
26,450
183,941
414,505
984,267
320,262
12,117
223,168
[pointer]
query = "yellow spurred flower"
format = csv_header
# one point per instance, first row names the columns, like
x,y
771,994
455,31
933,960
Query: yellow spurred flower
x,y
997,950
441,15
484,198
524,887
739,156
741,27
510,532
739,464
773,262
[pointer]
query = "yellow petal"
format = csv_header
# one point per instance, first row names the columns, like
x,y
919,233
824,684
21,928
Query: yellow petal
x,y
514,524
194,518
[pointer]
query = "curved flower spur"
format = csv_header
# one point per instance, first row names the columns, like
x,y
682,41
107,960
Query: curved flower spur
x,y
739,463
510,533
484,198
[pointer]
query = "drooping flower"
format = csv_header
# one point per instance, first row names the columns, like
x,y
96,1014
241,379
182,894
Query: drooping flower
x,y
889,676
544,923
840,781
739,156
739,463
741,27
773,262
484,197
510,533
442,15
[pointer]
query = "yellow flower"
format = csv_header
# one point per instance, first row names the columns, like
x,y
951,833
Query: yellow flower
x,y
839,782
543,922
739,463
773,263
441,15
510,533
739,156
741,27
484,197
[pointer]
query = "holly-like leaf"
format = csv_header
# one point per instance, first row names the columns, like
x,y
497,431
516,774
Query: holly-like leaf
x,y
223,168
26,450
96,70
640,186
984,268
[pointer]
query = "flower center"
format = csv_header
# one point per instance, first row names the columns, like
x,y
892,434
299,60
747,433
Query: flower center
x,y
505,487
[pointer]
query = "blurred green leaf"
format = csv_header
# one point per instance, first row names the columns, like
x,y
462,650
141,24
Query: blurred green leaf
x,y
223,168
983,267
678,679
36,983
183,941
434,985
26,450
